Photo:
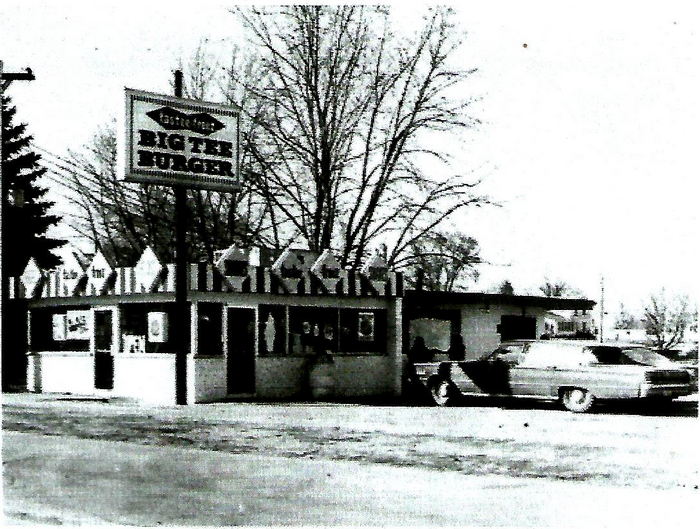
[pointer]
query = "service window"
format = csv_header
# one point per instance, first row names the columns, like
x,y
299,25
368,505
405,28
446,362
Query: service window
x,y
137,337
313,330
434,331
210,329
60,329
363,330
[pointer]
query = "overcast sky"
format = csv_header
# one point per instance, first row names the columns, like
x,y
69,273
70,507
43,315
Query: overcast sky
x,y
589,137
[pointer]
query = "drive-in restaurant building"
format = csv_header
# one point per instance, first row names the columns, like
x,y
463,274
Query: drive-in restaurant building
x,y
257,326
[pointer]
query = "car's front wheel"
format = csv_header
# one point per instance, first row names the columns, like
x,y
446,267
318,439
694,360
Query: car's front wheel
x,y
442,392
578,400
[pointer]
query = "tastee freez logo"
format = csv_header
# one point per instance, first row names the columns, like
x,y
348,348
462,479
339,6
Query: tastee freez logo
x,y
172,119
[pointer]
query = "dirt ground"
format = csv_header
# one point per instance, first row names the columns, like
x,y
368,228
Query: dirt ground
x,y
629,452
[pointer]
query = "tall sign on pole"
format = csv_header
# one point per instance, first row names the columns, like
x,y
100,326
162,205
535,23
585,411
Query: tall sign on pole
x,y
184,144
174,141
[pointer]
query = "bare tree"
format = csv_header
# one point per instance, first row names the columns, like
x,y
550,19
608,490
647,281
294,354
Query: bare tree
x,y
338,113
624,319
555,289
446,261
342,108
506,287
667,320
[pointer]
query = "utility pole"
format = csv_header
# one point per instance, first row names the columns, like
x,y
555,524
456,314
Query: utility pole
x,y
602,305
5,79
182,309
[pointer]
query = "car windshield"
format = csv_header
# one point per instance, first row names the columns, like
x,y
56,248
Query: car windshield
x,y
646,357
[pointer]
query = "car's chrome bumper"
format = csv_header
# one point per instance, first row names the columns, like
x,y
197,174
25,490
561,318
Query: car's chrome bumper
x,y
665,390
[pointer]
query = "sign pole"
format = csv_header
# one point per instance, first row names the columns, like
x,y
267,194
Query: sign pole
x,y
181,143
182,309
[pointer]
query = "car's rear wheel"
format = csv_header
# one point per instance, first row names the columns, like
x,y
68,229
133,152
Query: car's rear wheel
x,y
578,400
442,392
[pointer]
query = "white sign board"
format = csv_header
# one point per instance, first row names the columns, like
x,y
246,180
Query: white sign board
x,y
171,141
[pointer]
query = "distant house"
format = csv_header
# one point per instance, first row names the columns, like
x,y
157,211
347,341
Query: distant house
x,y
569,323
636,335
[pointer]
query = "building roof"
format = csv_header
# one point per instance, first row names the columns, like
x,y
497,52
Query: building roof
x,y
473,298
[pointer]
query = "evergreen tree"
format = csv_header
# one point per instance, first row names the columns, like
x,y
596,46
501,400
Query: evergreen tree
x,y
25,209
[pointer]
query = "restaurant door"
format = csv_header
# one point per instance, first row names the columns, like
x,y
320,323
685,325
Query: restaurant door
x,y
240,350
103,346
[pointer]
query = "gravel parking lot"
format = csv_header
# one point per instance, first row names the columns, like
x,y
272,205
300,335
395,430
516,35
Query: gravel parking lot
x,y
628,448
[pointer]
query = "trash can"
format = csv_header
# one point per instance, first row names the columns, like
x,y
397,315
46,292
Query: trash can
x,y
321,377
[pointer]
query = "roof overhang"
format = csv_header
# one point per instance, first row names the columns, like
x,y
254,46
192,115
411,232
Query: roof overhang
x,y
431,298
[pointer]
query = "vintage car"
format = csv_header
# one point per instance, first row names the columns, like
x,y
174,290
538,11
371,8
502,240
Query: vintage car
x,y
574,372
645,356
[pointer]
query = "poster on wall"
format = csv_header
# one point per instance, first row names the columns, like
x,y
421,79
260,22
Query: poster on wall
x,y
133,343
78,325
157,327
365,327
58,327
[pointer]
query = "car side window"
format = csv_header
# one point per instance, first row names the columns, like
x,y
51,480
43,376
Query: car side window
x,y
588,357
552,354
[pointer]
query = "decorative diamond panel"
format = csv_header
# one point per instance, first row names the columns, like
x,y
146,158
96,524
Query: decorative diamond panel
x,y
377,271
233,265
31,277
147,271
98,274
291,267
327,269
70,273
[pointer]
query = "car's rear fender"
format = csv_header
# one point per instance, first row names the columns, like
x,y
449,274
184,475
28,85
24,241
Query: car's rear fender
x,y
602,383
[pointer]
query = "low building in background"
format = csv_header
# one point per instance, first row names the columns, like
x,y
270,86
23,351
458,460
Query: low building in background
x,y
482,320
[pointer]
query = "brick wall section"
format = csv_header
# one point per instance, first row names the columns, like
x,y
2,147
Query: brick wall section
x,y
281,377
364,376
209,379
